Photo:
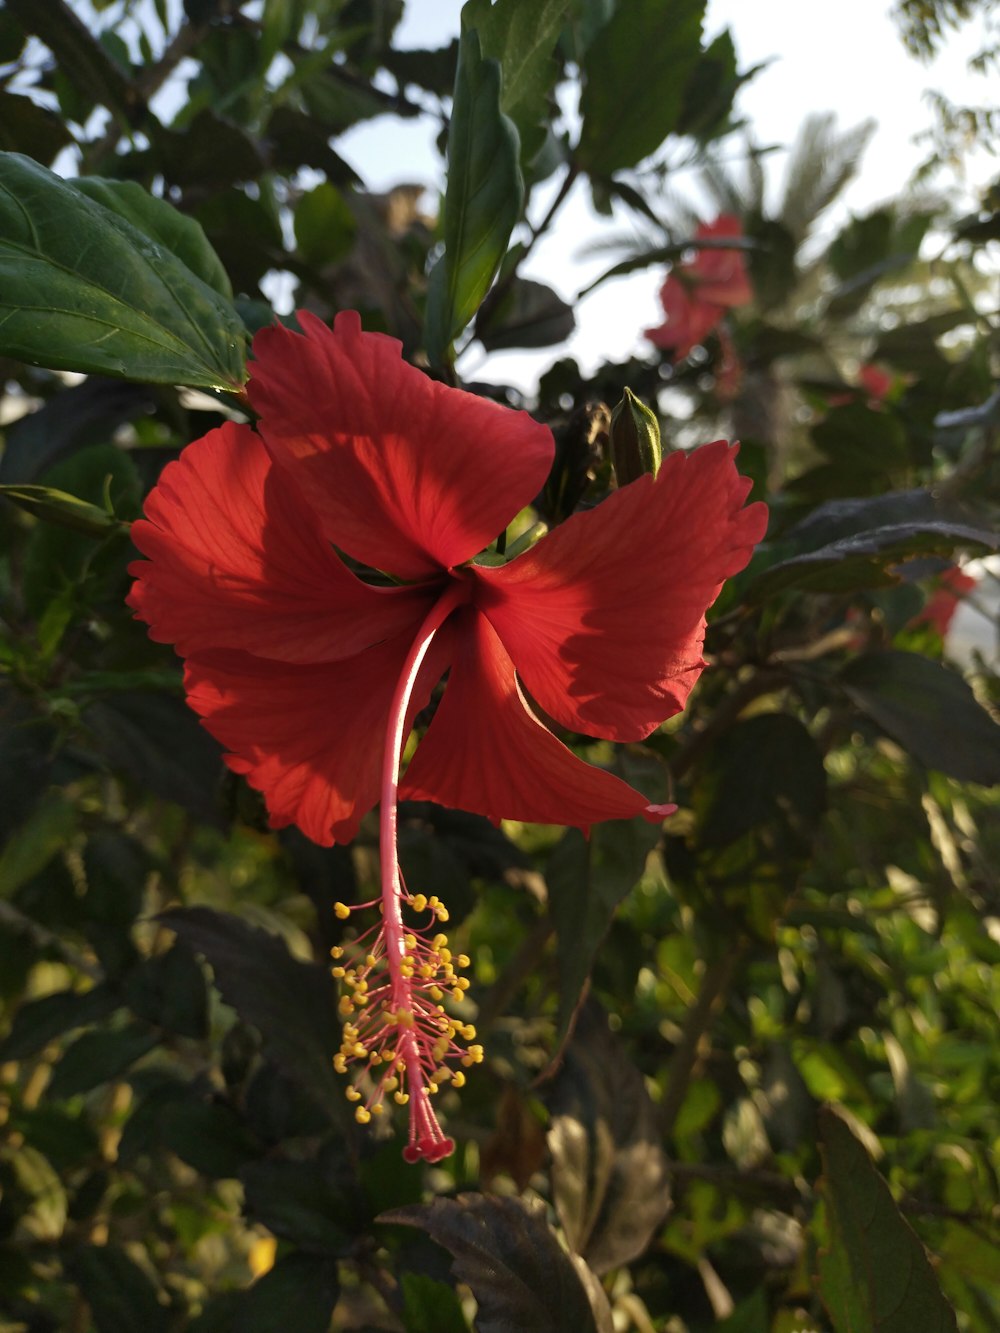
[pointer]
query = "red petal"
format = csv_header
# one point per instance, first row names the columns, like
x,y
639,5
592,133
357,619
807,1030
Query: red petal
x,y
605,617
237,559
486,752
689,320
309,737
407,475
721,275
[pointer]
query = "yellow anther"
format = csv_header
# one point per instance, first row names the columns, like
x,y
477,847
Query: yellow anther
x,y
337,972
346,1005
404,1018
406,971
442,1075
370,960
439,941
441,912
336,952
410,941
440,1049
468,1033
400,1098
375,1058
341,910
463,960
419,902
435,992
433,901
339,1063
444,955
457,994
352,1094
458,1079
432,1087
462,983
359,1052
362,1116
378,1109
390,1084
426,971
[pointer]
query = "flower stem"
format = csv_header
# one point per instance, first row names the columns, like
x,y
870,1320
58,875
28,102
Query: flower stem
x,y
423,1122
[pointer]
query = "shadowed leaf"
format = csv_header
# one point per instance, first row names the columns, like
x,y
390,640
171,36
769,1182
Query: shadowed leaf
x,y
513,1263
874,1274
609,1172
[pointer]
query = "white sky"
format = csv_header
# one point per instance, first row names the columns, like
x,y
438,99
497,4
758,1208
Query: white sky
x,y
846,58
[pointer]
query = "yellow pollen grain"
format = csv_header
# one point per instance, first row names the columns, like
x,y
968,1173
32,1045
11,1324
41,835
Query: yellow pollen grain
x,y
352,1094
458,1079
400,1098
337,972
341,910
419,902
362,1116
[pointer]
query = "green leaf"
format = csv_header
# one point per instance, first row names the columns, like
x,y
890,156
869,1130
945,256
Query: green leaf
x,y
31,847
521,35
874,1274
530,314
120,1295
80,56
82,289
302,1202
292,1004
610,1180
169,990
55,506
930,710
859,438
296,1296
325,227
587,879
38,1022
98,1057
483,200
75,418
209,1136
430,1306
513,1263
26,127
181,235
636,70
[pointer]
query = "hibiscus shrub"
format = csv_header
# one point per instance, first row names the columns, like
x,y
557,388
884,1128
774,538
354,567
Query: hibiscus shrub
x,y
474,859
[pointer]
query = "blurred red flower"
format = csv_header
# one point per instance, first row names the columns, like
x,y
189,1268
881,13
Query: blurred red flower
x,y
696,295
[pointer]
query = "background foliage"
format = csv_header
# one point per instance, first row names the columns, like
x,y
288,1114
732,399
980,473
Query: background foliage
x,y
741,1076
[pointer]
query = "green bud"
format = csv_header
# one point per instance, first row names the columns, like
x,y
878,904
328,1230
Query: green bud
x,y
635,440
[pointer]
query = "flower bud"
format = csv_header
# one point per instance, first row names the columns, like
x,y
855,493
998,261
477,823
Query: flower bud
x,y
635,440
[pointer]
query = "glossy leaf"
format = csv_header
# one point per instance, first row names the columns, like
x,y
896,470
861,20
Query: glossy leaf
x,y
512,1262
521,35
83,289
530,314
635,72
181,235
874,1274
930,710
483,200
609,1171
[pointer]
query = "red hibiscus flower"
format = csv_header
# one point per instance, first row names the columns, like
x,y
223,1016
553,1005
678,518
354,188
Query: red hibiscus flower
x,y
311,675
696,295
953,584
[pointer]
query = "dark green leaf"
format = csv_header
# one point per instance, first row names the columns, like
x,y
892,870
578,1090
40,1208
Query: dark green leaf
x,y
55,506
82,289
303,1202
169,990
635,74
529,315
209,1136
66,1140
709,92
609,1172
482,202
296,1296
181,235
860,438
30,848
120,1295
38,1022
157,740
26,127
930,710
292,1004
874,1274
297,140
75,418
587,879
521,35
81,57
98,1057
513,1263
116,868
210,152
324,225
430,1306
